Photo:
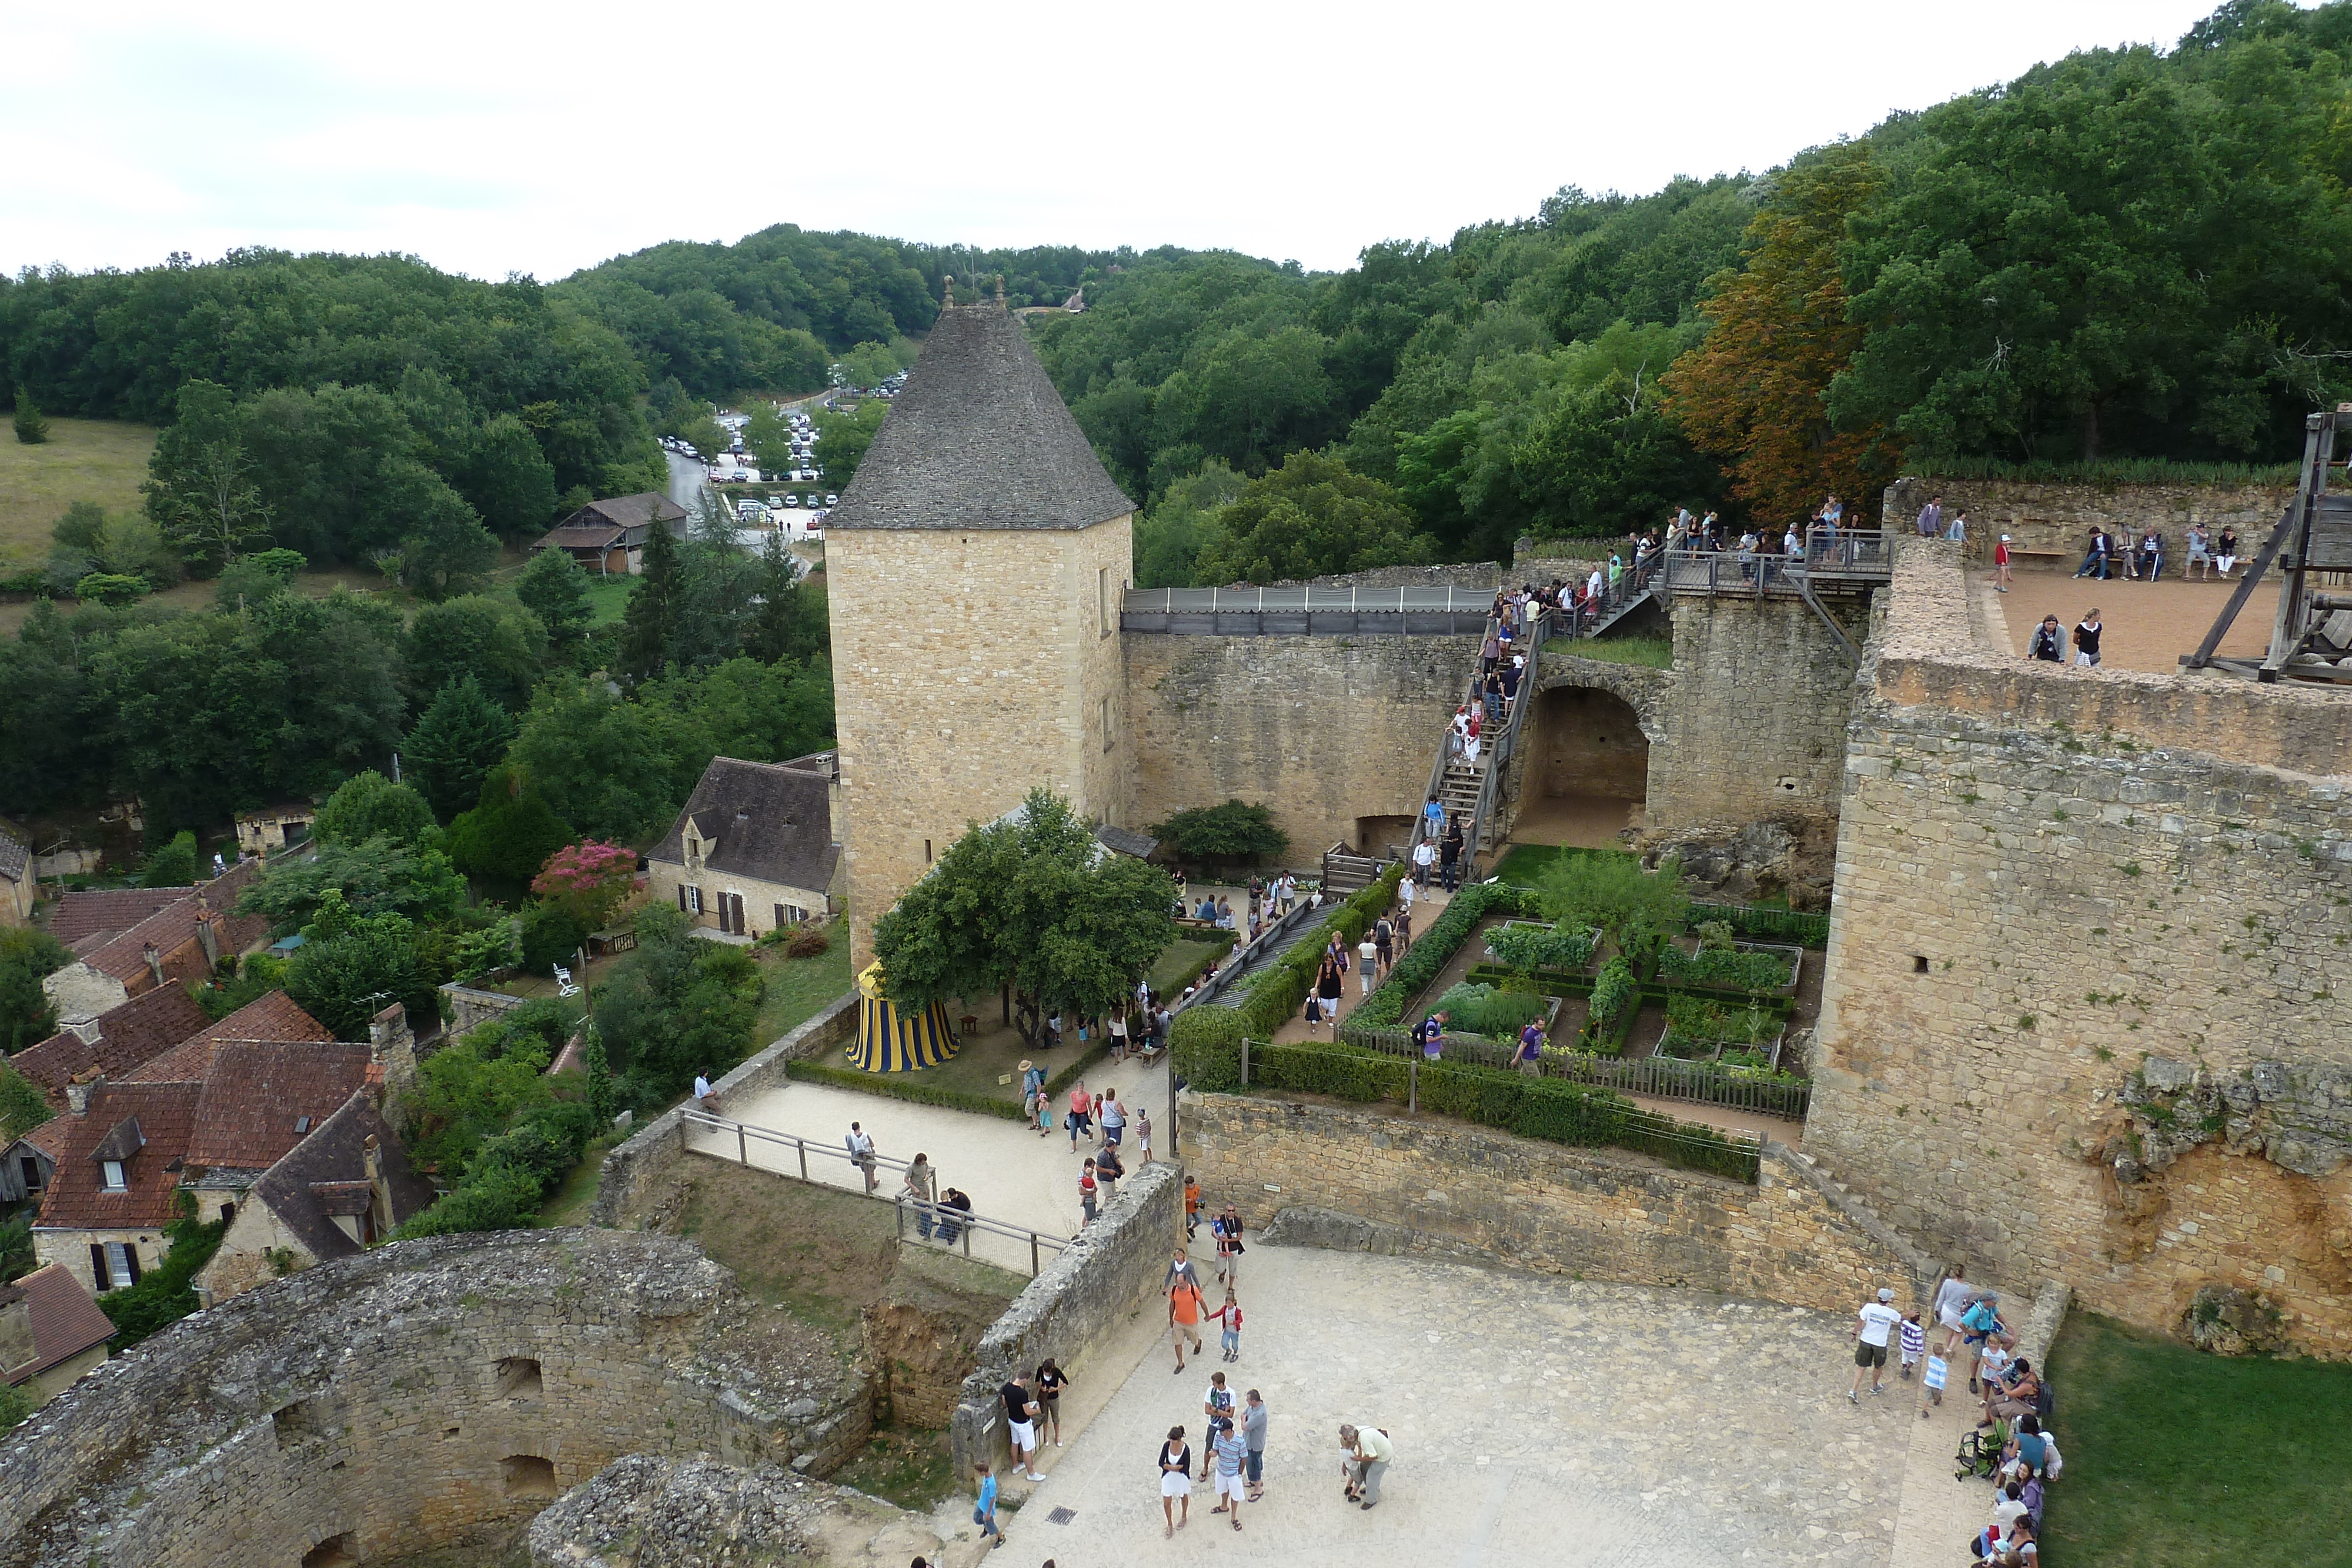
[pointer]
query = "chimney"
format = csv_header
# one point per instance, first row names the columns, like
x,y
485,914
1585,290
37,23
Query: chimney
x,y
79,1092
208,934
372,1160
154,962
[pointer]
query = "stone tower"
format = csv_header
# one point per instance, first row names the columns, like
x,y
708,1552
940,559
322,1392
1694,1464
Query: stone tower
x,y
975,569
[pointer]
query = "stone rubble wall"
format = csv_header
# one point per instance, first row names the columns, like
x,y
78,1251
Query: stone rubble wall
x,y
2086,1014
1755,722
642,1163
1081,1303
1449,1190
385,1395
2045,517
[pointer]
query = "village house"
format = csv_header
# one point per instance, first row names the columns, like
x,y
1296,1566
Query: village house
x,y
17,877
180,943
120,1152
51,1332
115,1044
608,537
92,916
273,827
758,846
344,1187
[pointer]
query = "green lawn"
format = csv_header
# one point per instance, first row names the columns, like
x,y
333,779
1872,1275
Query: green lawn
x,y
2174,1457
1658,653
1524,865
609,596
100,460
1184,959
799,988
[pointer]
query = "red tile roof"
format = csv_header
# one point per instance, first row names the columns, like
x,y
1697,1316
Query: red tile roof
x,y
113,909
130,1037
77,1199
273,1017
263,1097
174,926
50,1136
65,1321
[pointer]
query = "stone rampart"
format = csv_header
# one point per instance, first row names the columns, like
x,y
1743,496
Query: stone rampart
x,y
2085,1014
1451,1190
1755,724
645,1161
2052,517
1322,730
425,1394
1109,1271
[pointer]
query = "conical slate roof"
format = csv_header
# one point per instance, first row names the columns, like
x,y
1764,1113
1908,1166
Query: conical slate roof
x,y
979,439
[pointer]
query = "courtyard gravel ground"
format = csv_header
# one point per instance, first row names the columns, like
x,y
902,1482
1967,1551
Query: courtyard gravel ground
x,y
1536,1420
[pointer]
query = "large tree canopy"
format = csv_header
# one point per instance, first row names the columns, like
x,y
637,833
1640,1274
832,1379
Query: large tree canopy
x,y
1033,901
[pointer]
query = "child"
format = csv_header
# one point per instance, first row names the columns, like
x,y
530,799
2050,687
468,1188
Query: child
x,y
1086,1192
1191,1203
983,1513
1932,1380
1229,1319
1143,1135
1914,1341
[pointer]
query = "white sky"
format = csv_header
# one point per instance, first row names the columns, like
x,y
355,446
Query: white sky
x,y
498,137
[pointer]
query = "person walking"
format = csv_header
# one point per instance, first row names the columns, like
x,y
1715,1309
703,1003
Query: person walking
x,y
1227,1229
861,1152
1184,1315
1931,517
1529,1058
1175,1479
1384,945
1217,1404
1049,1383
1368,958
1254,1440
1086,1192
1119,1034
1081,1116
1407,891
1433,1035
1143,1138
922,1188
2049,643
1957,530
1114,1118
2086,640
2001,564
1033,1096
1230,1453
983,1511
1452,851
1876,1321
1369,1451
1229,1326
1328,986
1019,1411
1424,853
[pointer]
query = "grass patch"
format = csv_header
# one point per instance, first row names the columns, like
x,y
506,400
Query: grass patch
x,y
1523,865
608,597
1181,961
798,988
100,460
2173,1456
568,1204
909,1466
1657,652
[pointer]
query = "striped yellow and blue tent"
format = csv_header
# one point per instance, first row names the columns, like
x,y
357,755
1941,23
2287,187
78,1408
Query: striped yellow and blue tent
x,y
893,1041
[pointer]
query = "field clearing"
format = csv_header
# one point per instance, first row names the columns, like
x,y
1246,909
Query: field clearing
x,y
100,460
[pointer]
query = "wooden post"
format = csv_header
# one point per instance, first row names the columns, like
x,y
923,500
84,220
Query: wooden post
x,y
742,1147
1245,1062
1412,1083
1034,1268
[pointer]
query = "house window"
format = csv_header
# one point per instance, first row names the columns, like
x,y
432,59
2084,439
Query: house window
x,y
1103,594
228,1214
115,1181
116,1265
693,896
30,1168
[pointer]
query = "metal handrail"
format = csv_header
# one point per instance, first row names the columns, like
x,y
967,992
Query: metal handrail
x,y
966,1221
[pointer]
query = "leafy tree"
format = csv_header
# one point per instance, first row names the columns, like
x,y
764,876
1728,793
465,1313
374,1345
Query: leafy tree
x,y
1752,394
842,439
762,713
650,623
508,837
466,1093
23,1107
1309,518
368,806
111,588
1171,535
1032,901
599,760
554,586
458,740
868,365
590,879
164,1295
88,540
1610,890
350,969
498,642
32,425
675,1006
768,436
27,956
506,477
445,549
257,975
1234,830
789,619
174,865
376,875
501,1197
551,933
254,578
200,485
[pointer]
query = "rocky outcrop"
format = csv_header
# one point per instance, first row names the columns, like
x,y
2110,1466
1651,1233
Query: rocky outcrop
x,y
1793,855
2227,1321
2299,1117
646,1512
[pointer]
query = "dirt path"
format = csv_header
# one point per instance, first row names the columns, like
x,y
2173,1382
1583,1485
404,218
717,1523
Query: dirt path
x,y
1425,911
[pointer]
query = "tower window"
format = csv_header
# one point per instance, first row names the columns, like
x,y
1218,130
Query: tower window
x,y
1103,597
1105,724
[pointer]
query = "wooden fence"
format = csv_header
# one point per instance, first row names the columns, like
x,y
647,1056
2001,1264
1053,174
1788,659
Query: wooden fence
x,y
1663,1077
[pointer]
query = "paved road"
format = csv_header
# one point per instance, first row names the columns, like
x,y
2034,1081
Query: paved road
x,y
686,479
1536,1420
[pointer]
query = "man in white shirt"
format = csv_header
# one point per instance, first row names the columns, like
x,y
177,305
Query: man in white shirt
x,y
1425,855
1873,1323
1367,954
861,1152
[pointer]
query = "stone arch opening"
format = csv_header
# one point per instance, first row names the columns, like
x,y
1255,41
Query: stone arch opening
x,y
335,1551
529,1476
1595,768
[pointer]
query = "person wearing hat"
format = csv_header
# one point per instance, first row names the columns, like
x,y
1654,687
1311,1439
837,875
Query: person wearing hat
x,y
2000,565
1873,1323
1032,1097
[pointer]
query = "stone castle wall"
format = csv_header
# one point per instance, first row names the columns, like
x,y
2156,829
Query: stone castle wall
x,y
421,1395
2039,517
1756,722
1449,1190
2086,1012
1322,730
969,668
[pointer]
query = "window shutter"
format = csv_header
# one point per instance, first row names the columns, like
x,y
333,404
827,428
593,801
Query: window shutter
x,y
735,903
130,1259
97,1276
779,915
681,898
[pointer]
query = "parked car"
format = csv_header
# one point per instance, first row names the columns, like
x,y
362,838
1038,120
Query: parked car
x,y
687,447
833,500
791,500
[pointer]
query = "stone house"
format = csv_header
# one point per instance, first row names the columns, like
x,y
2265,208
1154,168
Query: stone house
x,y
608,536
274,827
758,846
120,1149
260,1099
179,943
343,1186
115,1044
89,917
51,1332
17,877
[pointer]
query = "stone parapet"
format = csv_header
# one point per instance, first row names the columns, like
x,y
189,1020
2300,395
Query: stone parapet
x,y
2039,516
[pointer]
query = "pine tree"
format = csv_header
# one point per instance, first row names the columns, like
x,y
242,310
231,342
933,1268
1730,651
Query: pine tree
x,y
459,739
31,424
553,588
649,626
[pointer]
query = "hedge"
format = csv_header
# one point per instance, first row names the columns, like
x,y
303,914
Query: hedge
x,y
1616,1001
1277,994
1552,984
892,1086
1543,1108
1436,946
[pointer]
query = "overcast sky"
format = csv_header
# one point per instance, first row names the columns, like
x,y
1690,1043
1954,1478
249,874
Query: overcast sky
x,y
494,137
